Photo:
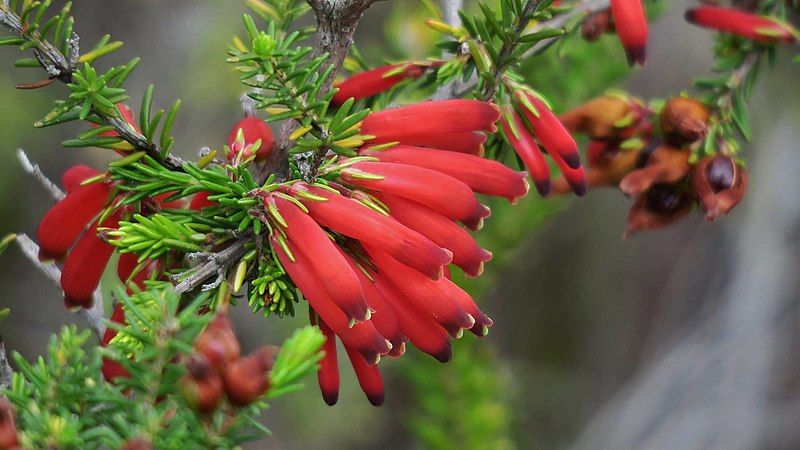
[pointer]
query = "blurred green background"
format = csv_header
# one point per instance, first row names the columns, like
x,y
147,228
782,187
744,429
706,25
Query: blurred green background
x,y
580,315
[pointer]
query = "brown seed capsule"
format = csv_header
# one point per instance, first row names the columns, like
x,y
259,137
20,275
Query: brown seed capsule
x,y
718,184
596,25
602,118
664,165
8,431
218,342
684,120
202,385
659,206
247,379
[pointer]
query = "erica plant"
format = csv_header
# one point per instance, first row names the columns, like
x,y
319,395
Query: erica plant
x,y
351,197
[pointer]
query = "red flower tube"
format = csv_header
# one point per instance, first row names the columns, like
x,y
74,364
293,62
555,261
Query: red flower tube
x,y
423,293
630,23
525,147
85,265
421,330
353,219
378,80
362,336
65,221
440,192
550,132
75,175
340,282
443,231
482,321
482,175
369,377
112,369
751,26
431,118
328,373
465,142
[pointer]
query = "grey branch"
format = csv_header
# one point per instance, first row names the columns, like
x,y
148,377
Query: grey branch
x,y
5,368
337,21
214,264
62,67
34,170
94,315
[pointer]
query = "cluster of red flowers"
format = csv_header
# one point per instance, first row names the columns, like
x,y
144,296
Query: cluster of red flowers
x,y
216,368
653,166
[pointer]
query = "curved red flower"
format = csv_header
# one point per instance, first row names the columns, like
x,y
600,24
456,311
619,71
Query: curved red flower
x,y
380,79
748,25
630,23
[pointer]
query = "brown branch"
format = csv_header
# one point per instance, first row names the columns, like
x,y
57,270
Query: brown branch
x,y
337,21
214,264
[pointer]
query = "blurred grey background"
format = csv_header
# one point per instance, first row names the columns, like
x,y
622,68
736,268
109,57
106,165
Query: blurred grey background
x,y
679,338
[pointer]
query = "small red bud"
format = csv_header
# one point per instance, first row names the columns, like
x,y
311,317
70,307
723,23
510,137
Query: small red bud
x,y
201,386
247,378
252,130
218,342
8,431
684,121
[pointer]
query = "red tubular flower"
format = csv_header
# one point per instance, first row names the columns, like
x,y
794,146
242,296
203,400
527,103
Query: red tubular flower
x,y
525,147
750,26
424,294
369,377
443,124
9,440
328,373
550,132
340,282
482,175
441,230
112,369
200,200
75,175
575,178
353,219
631,25
421,330
719,184
252,129
362,336
85,265
378,80
465,301
440,192
65,221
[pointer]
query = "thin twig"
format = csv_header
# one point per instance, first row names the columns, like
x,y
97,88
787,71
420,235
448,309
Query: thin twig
x,y
450,9
215,265
34,170
5,368
62,67
94,315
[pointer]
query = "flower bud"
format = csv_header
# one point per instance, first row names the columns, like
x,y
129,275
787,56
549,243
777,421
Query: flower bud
x,y
596,25
218,343
243,140
201,386
8,431
684,121
718,184
247,379
603,118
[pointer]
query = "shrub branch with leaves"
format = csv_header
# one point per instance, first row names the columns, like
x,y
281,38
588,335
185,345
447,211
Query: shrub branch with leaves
x,y
360,208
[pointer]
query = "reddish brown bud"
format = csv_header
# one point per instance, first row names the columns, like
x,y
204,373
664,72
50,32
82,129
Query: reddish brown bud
x,y
202,385
665,165
661,205
8,431
247,379
718,184
137,444
684,121
218,342
596,25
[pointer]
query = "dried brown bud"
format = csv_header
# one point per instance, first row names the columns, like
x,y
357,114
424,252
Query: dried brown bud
x,y
218,342
718,184
596,25
664,165
661,205
202,385
603,118
247,379
684,120
8,431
